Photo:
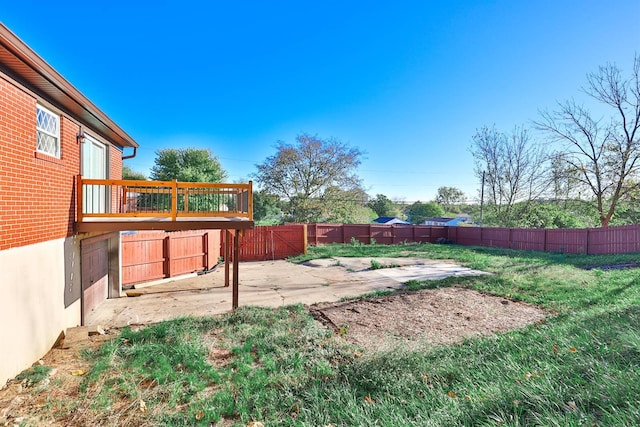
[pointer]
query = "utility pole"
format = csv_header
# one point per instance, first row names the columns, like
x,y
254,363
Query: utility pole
x,y
481,199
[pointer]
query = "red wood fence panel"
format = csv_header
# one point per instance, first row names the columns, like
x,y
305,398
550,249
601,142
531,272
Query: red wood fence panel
x,y
614,240
152,255
571,241
368,233
272,242
496,237
356,232
609,240
327,233
528,239
187,252
143,256
467,236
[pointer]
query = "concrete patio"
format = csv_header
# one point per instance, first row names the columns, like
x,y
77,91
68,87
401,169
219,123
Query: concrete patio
x,y
271,284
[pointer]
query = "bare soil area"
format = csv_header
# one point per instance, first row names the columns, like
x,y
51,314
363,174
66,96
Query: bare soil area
x,y
429,317
23,404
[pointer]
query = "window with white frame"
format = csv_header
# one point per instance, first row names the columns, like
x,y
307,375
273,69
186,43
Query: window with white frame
x,y
48,129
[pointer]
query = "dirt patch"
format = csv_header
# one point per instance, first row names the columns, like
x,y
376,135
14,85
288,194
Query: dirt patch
x,y
431,317
617,266
21,404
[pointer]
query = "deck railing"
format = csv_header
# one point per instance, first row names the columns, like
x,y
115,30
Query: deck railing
x,y
109,198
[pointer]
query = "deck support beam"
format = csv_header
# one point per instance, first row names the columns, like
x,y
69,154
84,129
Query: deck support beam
x,y
236,257
227,256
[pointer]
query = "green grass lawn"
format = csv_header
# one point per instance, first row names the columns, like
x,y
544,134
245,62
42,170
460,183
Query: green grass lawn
x,y
279,367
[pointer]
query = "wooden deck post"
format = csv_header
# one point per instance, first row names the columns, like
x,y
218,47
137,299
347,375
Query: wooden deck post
x,y
174,200
250,197
236,256
227,255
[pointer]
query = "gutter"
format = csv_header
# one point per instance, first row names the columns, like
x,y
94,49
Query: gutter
x,y
131,156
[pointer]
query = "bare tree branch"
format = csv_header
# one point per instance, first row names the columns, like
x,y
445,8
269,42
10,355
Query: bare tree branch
x,y
605,155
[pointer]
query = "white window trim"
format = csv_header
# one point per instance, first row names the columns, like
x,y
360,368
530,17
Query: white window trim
x,y
44,131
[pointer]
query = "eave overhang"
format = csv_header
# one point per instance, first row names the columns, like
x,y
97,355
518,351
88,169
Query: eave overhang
x,y
22,64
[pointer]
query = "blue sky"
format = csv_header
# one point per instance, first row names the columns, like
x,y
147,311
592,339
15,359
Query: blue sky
x,y
407,82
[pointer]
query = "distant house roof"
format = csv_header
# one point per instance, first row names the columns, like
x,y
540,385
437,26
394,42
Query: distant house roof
x,y
460,219
390,220
22,64
438,219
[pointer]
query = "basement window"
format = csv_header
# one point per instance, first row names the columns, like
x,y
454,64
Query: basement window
x,y
48,128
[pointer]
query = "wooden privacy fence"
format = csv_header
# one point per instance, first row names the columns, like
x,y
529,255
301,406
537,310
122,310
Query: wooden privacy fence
x,y
274,242
152,255
367,233
592,241
596,241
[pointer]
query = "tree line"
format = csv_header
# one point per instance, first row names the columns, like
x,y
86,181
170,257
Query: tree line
x,y
568,169
582,160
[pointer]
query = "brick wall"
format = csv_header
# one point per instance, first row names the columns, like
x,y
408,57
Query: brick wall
x,y
37,192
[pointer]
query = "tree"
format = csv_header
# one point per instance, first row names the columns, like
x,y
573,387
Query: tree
x,y
345,206
419,212
448,197
301,173
266,208
513,167
187,165
603,154
382,205
535,214
564,179
128,173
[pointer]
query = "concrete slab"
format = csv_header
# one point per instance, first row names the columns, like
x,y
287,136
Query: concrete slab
x,y
270,283
75,337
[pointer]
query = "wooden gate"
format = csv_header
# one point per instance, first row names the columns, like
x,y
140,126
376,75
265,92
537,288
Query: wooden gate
x,y
273,242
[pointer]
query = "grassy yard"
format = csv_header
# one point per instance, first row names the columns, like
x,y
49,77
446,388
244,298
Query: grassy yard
x,y
279,367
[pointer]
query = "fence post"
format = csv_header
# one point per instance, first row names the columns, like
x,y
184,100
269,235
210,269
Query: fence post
x,y
587,249
167,253
272,246
544,246
205,250
305,238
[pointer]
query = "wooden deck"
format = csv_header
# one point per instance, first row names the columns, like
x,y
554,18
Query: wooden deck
x,y
121,205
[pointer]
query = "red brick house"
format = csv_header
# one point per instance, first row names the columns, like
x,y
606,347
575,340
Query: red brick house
x,y
63,205
50,134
